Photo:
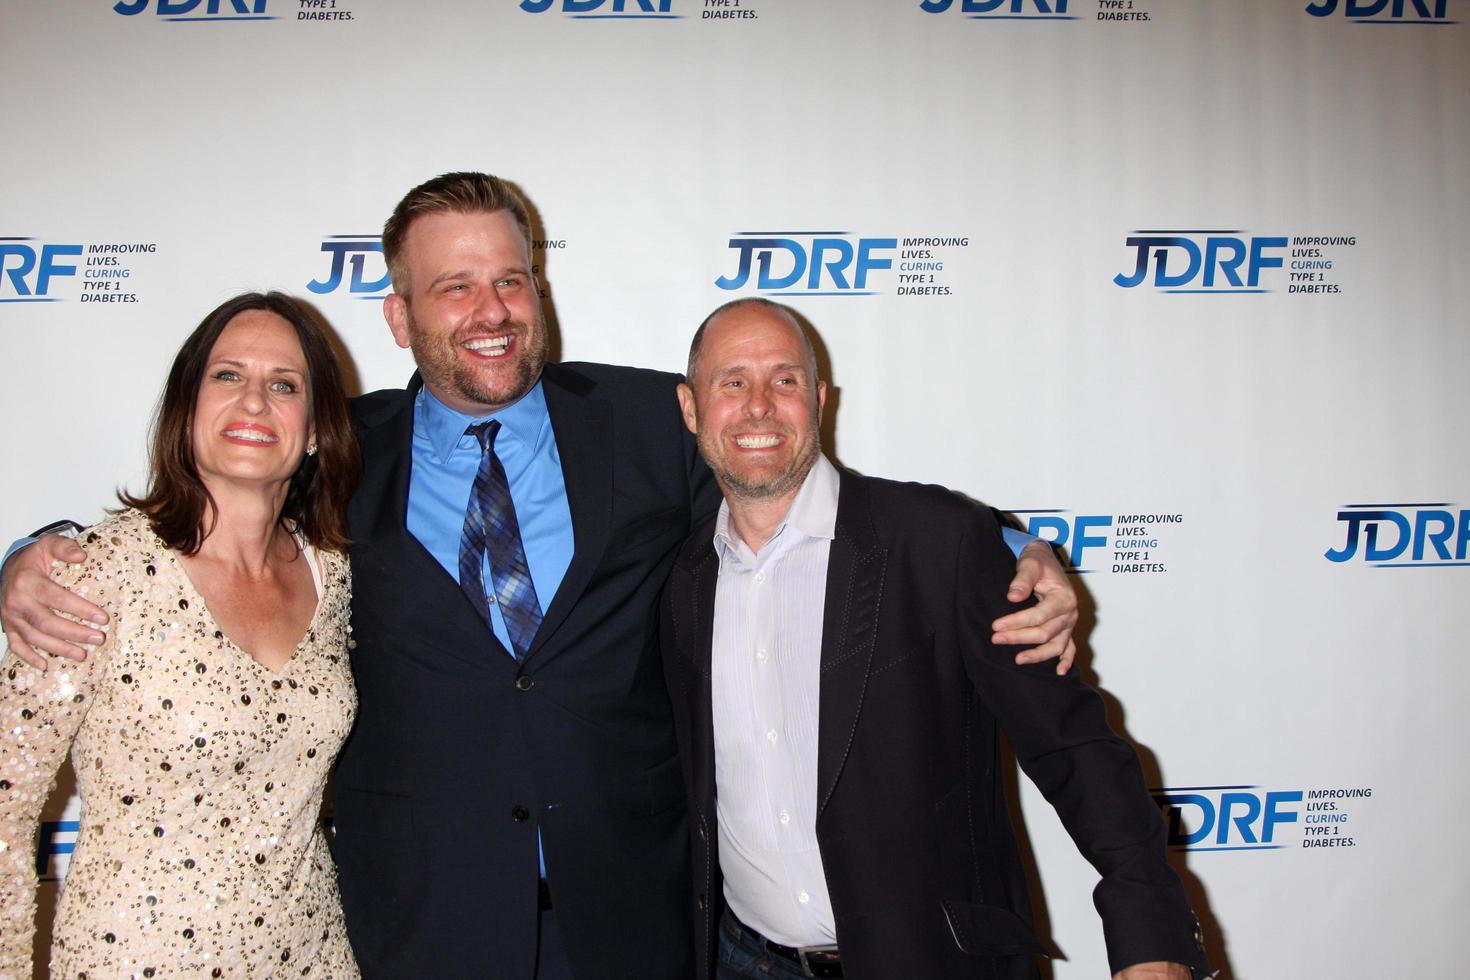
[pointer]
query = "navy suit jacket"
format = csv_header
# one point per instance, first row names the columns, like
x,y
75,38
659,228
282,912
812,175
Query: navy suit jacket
x,y
460,754
912,822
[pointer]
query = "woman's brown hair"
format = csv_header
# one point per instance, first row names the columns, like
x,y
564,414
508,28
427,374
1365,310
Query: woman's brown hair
x,y
316,500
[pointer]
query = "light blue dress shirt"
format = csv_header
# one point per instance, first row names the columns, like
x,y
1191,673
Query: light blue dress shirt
x,y
445,461
1016,540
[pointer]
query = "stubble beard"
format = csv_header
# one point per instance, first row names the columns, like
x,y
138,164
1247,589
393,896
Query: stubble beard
x,y
441,365
780,484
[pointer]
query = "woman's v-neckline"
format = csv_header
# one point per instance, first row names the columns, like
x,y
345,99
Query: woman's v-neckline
x,y
319,586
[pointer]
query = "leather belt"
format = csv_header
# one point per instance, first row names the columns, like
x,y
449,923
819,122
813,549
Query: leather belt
x,y
815,961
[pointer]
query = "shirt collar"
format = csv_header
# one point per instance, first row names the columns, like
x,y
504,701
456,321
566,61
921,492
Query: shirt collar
x,y
526,418
813,512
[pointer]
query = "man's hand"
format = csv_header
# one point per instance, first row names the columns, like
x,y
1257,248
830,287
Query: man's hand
x,y
30,602
1048,624
1154,971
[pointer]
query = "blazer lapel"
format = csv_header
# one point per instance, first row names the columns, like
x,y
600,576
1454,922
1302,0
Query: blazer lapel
x,y
380,506
855,570
583,428
387,448
694,580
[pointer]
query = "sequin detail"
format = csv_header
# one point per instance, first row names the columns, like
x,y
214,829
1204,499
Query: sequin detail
x,y
174,740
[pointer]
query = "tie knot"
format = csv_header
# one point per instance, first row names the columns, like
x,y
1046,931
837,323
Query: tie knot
x,y
485,433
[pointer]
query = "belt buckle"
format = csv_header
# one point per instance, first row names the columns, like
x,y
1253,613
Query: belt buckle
x,y
815,958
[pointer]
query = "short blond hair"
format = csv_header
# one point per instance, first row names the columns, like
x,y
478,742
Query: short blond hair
x,y
464,192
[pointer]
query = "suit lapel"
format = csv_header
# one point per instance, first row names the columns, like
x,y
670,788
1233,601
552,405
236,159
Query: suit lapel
x,y
583,428
387,447
855,570
696,576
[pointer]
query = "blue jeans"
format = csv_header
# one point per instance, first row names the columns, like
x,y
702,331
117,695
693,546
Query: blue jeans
x,y
742,957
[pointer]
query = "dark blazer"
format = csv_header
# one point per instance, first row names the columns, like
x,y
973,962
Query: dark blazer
x,y
912,822
459,754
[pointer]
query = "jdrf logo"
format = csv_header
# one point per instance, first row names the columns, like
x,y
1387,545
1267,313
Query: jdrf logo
x,y
808,263
604,9
1403,535
1076,533
1002,9
187,9
1204,258
1384,11
26,271
356,251
1226,818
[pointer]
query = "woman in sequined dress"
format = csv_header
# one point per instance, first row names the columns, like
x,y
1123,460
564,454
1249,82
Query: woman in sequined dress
x,y
202,729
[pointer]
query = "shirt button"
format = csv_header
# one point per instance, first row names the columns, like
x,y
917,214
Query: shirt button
x,y
490,599
762,656
760,577
803,897
771,736
785,817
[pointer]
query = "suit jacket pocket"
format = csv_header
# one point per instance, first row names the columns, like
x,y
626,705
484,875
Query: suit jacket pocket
x,y
360,812
892,654
989,930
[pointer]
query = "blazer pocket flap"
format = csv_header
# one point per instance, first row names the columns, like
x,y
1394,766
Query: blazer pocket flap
x,y
989,930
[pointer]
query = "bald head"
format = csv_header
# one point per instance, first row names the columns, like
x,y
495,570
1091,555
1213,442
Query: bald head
x,y
761,308
754,401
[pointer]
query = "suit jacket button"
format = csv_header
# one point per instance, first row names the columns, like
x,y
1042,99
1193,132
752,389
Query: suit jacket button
x,y
700,903
525,682
519,813
703,834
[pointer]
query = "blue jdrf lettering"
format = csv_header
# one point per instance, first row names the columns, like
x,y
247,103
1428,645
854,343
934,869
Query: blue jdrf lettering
x,y
1072,535
1371,8
356,253
587,6
18,260
832,256
173,8
1431,527
1239,818
1220,254
990,6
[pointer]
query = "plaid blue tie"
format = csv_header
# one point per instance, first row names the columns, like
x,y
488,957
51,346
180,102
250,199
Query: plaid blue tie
x,y
490,519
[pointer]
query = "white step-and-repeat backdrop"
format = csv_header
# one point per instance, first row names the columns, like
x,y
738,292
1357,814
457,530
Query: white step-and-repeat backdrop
x,y
1181,283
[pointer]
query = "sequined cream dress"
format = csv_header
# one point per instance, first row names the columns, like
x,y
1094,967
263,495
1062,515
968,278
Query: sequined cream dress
x,y
201,773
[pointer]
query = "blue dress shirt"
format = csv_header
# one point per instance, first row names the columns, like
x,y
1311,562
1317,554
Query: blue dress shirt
x,y
445,461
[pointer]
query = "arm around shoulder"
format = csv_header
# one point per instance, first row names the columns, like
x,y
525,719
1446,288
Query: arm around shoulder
x,y
40,616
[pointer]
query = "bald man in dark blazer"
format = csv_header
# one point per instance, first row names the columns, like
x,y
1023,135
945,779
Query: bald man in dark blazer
x,y
839,703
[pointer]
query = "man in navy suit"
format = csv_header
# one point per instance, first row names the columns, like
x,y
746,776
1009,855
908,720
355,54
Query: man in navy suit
x,y
508,807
